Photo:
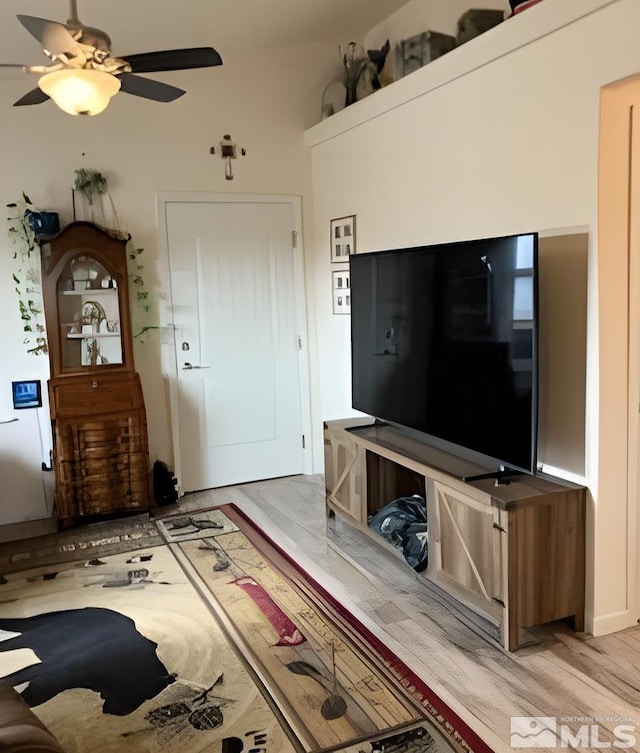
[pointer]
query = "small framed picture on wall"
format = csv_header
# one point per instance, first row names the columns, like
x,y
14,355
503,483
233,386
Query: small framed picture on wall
x,y
343,238
341,291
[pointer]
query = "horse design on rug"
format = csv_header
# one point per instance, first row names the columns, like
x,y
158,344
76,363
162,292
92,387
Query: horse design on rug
x,y
93,648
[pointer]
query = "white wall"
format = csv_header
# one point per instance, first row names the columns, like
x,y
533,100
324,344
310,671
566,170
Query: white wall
x,y
24,444
498,136
264,99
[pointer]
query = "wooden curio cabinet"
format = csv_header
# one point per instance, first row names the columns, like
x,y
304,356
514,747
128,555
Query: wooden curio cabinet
x,y
100,455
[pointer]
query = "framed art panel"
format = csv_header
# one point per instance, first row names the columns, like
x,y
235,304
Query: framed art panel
x,y
343,238
341,291
27,394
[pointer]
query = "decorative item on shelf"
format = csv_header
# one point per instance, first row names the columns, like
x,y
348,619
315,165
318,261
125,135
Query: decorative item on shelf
x,y
228,152
76,327
517,6
475,22
362,71
343,238
333,100
353,62
369,78
93,357
44,224
84,273
415,52
93,314
26,273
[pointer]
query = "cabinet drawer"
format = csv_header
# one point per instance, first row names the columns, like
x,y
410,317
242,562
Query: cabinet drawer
x,y
91,396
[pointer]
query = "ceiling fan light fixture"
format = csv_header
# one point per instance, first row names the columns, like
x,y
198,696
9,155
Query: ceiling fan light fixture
x,y
80,92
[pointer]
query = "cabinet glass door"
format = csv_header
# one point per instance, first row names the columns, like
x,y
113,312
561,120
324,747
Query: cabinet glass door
x,y
88,315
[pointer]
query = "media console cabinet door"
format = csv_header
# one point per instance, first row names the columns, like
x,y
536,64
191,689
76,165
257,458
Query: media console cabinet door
x,y
345,475
546,562
469,539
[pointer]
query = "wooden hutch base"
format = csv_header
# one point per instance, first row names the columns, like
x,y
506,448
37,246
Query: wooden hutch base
x,y
510,555
100,439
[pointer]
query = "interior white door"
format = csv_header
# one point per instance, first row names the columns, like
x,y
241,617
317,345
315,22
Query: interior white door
x,y
232,272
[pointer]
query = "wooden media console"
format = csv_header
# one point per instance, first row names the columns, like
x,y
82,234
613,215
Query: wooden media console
x,y
506,556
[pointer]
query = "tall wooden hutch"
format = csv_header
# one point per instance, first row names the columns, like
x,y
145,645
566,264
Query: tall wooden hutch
x,y
100,444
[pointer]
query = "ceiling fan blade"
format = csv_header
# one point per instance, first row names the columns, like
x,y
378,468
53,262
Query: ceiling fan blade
x,y
53,36
13,65
35,26
173,60
146,87
34,97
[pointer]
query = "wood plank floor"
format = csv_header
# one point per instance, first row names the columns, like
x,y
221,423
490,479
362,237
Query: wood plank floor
x,y
576,678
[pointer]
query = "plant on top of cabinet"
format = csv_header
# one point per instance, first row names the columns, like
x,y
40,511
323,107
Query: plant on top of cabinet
x,y
92,185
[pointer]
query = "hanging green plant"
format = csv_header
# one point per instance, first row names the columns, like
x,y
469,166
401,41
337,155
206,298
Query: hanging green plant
x,y
90,183
139,290
26,274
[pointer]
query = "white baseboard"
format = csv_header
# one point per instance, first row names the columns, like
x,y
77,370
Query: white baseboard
x,y
613,622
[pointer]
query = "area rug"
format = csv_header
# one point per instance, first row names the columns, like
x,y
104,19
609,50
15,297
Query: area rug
x,y
121,654
86,541
335,684
215,640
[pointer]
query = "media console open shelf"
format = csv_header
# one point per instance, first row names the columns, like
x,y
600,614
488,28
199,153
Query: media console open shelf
x,y
505,557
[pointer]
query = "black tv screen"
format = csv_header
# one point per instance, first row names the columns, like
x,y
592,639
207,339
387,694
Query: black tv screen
x,y
444,342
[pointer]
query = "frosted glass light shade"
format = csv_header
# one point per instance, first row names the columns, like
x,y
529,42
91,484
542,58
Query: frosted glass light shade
x,y
80,92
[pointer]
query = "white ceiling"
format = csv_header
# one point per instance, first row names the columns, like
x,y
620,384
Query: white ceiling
x,y
149,25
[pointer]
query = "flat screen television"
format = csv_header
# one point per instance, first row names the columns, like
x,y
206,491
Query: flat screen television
x,y
444,343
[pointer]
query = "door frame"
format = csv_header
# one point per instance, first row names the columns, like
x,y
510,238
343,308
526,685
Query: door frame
x,y
169,358
616,525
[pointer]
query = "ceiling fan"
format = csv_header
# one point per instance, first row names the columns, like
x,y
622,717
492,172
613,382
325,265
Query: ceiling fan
x,y
83,75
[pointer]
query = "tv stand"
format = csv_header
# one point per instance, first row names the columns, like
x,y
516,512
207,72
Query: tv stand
x,y
501,476
502,557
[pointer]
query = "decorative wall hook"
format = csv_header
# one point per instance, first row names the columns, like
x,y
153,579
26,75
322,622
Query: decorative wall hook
x,y
228,152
